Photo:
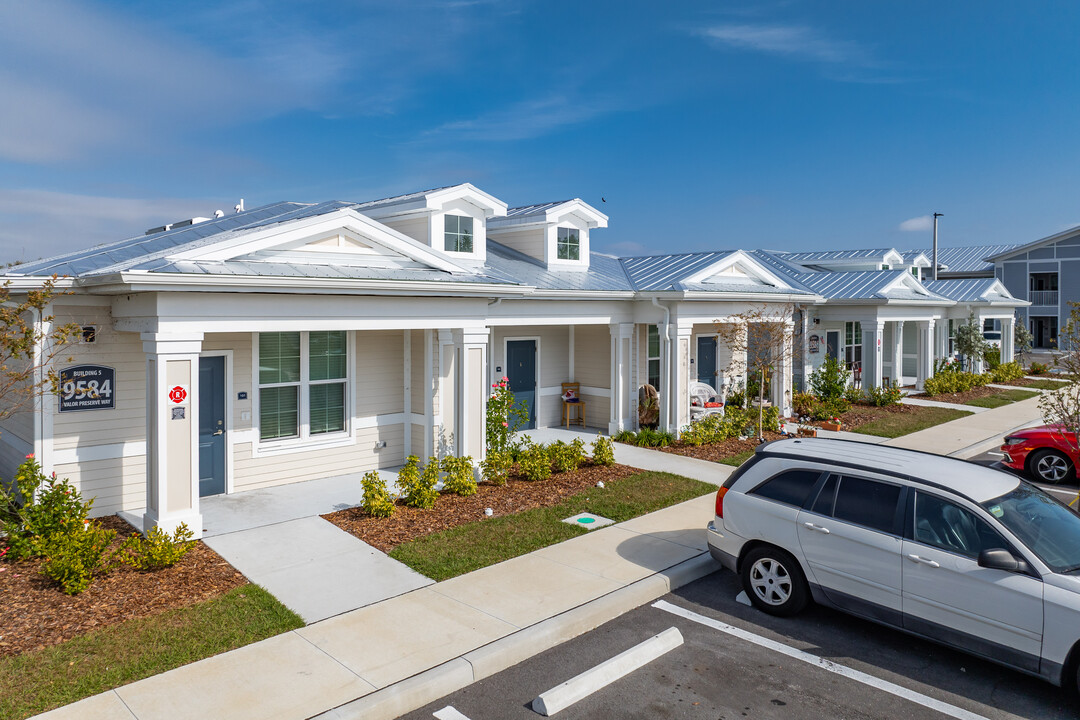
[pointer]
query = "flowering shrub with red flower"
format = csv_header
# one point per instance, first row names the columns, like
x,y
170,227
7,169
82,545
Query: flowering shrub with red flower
x,y
37,507
504,417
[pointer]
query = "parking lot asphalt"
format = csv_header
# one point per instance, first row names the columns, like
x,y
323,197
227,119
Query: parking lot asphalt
x,y
716,675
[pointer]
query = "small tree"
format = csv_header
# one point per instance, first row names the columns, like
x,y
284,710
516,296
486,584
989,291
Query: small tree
x,y
1062,407
26,349
1022,339
762,341
970,341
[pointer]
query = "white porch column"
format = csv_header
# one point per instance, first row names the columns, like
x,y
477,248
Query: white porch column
x,y
783,379
667,410
172,431
1008,349
472,403
872,332
898,352
444,422
924,352
807,366
680,394
620,377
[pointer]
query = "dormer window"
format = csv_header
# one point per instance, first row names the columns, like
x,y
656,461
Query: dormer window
x,y
459,234
569,244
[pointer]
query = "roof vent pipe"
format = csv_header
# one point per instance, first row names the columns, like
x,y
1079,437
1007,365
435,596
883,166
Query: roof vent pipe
x,y
933,275
240,208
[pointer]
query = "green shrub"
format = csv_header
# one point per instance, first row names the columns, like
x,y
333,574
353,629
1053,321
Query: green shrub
x,y
535,462
625,436
418,487
159,550
884,396
801,403
496,467
73,558
377,501
771,419
647,437
460,479
853,394
603,452
1038,368
828,409
992,355
567,457
829,380
953,381
1006,372
735,398
38,507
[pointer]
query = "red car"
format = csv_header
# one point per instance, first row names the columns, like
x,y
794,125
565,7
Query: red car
x,y
1048,453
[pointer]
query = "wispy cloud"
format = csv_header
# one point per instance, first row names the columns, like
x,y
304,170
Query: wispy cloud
x,y
527,119
922,223
40,223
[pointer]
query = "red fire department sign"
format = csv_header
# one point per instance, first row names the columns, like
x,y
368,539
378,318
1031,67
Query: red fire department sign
x,y
178,394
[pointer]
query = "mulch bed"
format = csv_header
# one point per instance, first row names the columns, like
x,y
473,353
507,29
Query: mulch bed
x,y
517,495
35,613
961,397
718,451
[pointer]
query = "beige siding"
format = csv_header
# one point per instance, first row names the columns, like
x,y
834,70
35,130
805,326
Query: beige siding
x,y
592,355
115,484
122,351
10,459
380,379
418,448
417,229
281,469
530,242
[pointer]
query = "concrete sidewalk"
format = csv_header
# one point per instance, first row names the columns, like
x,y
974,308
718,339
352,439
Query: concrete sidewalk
x,y
973,434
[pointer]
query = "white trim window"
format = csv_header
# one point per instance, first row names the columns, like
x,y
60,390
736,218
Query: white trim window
x,y
458,233
852,343
568,244
653,356
303,384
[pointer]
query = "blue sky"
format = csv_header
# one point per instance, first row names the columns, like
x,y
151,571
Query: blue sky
x,y
783,125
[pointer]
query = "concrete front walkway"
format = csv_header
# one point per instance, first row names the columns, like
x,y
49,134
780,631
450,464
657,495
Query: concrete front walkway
x,y
974,434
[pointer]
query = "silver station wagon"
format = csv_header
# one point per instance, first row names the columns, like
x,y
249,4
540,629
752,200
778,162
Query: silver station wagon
x,y
955,552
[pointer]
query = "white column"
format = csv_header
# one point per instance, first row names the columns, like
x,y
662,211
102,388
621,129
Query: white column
x,y
472,402
664,330
924,352
445,422
407,399
620,376
172,431
783,380
898,352
429,391
807,329
978,364
1008,349
872,332
680,394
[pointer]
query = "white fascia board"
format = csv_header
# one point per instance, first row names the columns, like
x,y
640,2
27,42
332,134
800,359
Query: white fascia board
x,y
34,282
1034,245
702,296
154,282
922,261
470,193
289,233
583,294
739,257
906,279
593,217
893,258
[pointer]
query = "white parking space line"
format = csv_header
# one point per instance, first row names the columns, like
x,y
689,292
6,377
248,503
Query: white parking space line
x,y
449,713
858,676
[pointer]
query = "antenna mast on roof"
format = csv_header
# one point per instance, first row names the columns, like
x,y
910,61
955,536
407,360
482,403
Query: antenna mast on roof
x,y
933,274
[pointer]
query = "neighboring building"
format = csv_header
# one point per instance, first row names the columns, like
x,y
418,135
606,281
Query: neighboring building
x,y
298,341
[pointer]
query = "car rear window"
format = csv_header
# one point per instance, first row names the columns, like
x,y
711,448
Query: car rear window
x,y
868,503
792,487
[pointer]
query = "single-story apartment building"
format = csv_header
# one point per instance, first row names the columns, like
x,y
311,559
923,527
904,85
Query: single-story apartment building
x,y
297,341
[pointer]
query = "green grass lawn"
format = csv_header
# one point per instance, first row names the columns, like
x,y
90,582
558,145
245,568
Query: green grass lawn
x,y
895,425
1004,397
1045,384
739,459
114,656
478,544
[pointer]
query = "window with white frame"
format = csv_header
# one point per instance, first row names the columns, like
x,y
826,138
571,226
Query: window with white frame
x,y
302,384
459,233
569,244
654,356
852,343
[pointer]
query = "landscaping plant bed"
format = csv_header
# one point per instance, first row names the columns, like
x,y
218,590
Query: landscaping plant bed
x,y
408,523
962,398
720,451
37,614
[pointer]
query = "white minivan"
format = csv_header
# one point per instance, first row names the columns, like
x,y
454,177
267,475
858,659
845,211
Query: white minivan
x,y
958,553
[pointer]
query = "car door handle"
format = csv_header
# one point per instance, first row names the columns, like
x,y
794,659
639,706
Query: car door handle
x,y
816,528
923,560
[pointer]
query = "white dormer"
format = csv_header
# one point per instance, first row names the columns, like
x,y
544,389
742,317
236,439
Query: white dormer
x,y
736,269
452,219
556,234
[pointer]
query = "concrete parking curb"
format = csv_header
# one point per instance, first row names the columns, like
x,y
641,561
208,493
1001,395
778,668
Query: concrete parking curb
x,y
425,687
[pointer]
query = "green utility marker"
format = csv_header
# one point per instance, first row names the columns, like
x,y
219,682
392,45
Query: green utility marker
x,y
588,521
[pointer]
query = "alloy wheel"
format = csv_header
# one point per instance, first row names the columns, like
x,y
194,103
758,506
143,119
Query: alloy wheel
x,y
770,581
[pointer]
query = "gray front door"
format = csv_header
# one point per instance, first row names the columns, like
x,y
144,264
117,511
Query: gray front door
x,y
706,361
521,371
211,426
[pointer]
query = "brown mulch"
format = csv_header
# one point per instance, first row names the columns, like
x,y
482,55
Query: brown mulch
x,y
517,495
961,397
718,451
35,613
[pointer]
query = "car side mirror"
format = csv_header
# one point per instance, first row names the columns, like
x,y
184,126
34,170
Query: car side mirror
x,y
998,559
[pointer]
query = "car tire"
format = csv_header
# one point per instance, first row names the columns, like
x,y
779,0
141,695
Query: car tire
x,y
774,582
1050,466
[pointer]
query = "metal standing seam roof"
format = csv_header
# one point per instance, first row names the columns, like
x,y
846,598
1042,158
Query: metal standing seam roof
x,y
660,273
964,289
860,285
605,274
971,258
813,256
527,210
373,204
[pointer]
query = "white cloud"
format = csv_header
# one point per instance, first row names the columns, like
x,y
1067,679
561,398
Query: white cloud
x,y
923,223
41,223
785,40
526,119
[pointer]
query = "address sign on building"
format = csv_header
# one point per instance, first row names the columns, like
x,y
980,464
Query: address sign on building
x,y
87,387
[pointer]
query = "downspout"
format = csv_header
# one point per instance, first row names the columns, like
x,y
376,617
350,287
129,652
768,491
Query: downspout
x,y
665,353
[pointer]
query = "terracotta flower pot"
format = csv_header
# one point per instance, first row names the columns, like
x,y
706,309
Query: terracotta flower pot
x,y
830,426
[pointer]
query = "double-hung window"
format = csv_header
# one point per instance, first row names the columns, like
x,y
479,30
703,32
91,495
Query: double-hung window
x,y
569,244
654,356
852,342
302,384
459,233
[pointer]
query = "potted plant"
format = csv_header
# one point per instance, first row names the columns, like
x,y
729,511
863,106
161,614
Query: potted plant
x,y
831,424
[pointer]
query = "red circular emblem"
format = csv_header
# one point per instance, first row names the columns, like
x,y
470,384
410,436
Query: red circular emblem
x,y
177,394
